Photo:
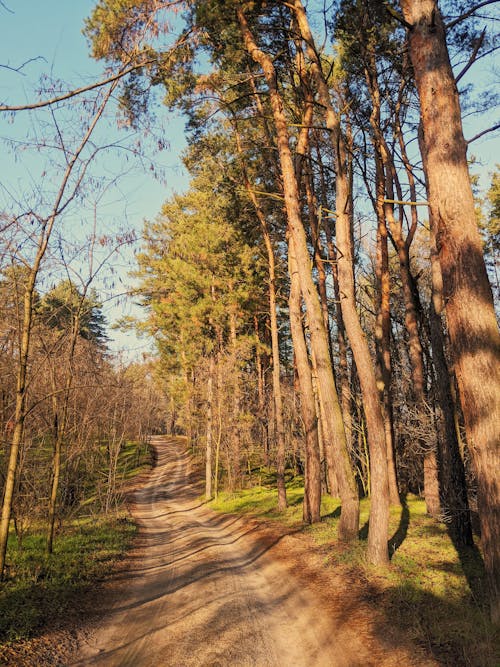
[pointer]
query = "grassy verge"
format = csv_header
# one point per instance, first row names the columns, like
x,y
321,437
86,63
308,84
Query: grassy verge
x,y
430,591
40,590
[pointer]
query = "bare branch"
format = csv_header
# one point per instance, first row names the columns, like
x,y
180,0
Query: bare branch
x,y
473,57
481,134
27,62
76,91
466,15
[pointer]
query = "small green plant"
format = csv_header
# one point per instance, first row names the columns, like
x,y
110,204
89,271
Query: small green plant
x,y
40,588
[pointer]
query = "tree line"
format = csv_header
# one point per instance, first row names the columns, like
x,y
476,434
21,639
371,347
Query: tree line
x,y
319,296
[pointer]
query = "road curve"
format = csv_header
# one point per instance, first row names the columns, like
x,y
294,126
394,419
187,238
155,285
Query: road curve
x,y
204,589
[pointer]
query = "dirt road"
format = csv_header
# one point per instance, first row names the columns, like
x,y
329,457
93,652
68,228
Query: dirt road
x,y
203,589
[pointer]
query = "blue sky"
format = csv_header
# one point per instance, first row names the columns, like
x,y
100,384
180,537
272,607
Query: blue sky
x,y
46,35
47,38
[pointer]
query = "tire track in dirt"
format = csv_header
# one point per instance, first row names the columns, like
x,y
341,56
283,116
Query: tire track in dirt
x,y
204,589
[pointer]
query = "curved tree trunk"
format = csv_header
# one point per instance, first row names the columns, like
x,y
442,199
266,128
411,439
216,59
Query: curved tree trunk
x,y
348,525
473,330
379,514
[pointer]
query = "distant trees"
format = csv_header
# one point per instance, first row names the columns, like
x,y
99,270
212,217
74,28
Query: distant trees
x,y
79,408
53,345
201,281
352,162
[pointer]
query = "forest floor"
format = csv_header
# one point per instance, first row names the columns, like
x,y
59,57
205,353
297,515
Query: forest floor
x,y
207,589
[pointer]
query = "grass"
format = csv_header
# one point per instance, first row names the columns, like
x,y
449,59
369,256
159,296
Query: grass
x,y
431,591
40,590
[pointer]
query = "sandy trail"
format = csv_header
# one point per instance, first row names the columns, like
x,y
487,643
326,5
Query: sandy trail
x,y
204,589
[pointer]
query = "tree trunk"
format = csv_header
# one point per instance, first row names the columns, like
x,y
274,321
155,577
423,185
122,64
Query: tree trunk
x,y
383,319
275,347
278,401
473,330
19,417
452,482
325,444
379,515
343,369
312,481
383,329
236,404
209,430
348,525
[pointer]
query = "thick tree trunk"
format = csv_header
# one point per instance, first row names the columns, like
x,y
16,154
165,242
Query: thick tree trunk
x,y
312,482
379,515
452,481
473,330
348,525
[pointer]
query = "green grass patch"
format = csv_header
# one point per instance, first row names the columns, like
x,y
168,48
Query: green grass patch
x,y
40,589
134,458
431,591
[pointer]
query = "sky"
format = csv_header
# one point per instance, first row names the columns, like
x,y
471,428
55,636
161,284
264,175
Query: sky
x,y
46,38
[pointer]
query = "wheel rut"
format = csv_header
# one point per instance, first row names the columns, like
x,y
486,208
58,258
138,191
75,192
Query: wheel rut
x,y
204,589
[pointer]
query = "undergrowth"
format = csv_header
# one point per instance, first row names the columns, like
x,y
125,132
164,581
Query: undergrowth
x,y
434,593
40,589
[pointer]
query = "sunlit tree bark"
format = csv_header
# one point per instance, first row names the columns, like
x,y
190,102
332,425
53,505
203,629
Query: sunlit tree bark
x,y
473,330
348,526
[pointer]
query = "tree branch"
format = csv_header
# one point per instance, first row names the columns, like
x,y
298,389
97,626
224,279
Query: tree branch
x,y
18,69
466,15
76,91
473,57
396,15
480,134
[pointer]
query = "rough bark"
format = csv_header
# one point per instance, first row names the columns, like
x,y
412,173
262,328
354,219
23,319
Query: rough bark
x,y
473,330
451,472
349,520
379,514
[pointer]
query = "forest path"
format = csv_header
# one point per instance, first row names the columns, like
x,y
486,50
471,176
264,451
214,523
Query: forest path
x,y
205,589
